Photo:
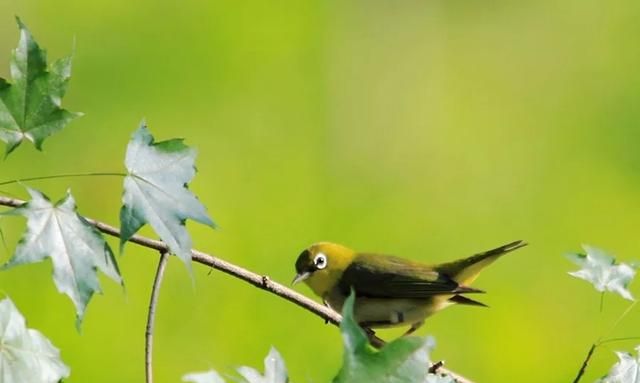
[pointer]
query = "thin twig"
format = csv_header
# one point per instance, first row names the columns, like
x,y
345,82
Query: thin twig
x,y
585,363
620,318
151,318
260,281
454,375
56,176
618,340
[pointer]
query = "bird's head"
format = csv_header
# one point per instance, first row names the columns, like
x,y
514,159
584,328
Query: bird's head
x,y
321,265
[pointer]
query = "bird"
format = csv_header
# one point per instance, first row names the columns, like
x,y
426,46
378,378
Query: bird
x,y
391,291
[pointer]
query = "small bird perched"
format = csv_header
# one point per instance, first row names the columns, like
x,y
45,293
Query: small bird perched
x,y
391,291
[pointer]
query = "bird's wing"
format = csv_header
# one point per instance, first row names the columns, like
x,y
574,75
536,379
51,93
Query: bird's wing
x,y
382,276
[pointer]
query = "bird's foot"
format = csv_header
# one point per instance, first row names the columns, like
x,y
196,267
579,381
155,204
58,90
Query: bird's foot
x,y
373,338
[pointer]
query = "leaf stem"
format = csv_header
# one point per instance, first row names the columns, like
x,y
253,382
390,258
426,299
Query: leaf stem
x,y
618,339
620,318
148,335
69,175
4,242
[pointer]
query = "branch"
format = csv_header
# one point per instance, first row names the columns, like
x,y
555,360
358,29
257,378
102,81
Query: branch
x,y
260,281
583,367
151,318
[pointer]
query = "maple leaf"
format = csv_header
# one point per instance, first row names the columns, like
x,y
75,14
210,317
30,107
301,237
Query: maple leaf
x,y
75,247
155,192
30,106
602,271
405,360
626,370
274,372
26,356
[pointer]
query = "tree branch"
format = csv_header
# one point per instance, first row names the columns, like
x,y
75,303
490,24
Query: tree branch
x,y
260,281
151,318
585,362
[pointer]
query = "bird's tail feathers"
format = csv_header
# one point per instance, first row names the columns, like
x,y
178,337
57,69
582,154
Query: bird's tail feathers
x,y
467,290
465,271
466,301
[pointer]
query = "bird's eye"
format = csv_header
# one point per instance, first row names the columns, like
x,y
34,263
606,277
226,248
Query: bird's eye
x,y
320,261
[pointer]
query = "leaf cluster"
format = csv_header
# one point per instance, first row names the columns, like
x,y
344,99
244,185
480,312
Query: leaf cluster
x,y
404,360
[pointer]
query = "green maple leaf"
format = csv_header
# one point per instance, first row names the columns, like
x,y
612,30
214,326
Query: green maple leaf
x,y
155,192
626,370
75,247
405,360
602,271
26,356
30,107
274,372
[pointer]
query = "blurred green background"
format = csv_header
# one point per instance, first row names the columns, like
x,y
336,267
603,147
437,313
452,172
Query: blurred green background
x,y
425,129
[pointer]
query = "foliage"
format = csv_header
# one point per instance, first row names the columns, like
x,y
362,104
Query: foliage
x,y
602,271
627,370
406,359
26,356
75,247
30,107
274,372
155,191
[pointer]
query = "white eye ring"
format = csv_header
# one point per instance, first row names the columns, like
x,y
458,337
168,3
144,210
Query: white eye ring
x,y
320,261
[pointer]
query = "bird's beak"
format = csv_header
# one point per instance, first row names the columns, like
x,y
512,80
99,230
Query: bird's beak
x,y
300,277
